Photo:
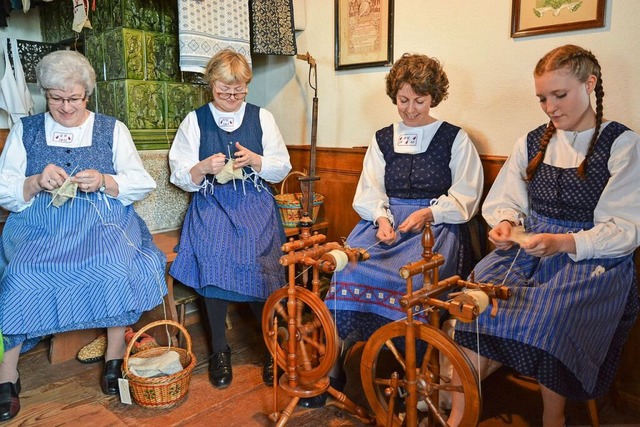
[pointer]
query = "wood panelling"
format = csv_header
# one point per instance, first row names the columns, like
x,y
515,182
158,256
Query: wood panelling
x,y
339,170
3,137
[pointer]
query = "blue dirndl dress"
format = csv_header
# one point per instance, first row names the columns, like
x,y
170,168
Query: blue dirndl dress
x,y
232,233
566,322
366,296
86,264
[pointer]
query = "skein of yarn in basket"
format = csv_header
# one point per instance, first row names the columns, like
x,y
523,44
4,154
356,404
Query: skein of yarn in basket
x,y
290,204
163,391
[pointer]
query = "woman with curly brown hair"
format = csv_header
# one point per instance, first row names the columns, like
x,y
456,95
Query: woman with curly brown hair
x,y
418,170
572,185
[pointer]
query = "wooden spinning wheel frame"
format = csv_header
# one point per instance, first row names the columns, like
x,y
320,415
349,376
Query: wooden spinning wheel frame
x,y
401,361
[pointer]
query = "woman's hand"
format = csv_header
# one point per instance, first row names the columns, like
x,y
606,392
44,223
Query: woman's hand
x,y
88,180
545,244
386,234
416,221
245,157
52,177
49,179
500,235
212,165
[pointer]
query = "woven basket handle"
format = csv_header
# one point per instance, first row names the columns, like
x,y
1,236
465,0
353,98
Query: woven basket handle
x,y
284,181
146,328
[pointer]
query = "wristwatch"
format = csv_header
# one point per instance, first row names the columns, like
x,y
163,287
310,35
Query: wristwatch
x,y
103,185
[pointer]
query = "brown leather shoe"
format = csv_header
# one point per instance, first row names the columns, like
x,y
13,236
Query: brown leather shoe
x,y
9,400
112,371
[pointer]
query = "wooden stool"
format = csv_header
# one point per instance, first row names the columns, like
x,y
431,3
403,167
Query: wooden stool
x,y
183,295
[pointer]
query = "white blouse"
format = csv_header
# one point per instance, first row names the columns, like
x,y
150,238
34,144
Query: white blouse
x,y
617,215
134,182
184,153
457,206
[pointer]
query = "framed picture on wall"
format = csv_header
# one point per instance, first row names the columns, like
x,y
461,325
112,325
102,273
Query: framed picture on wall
x,y
533,17
364,33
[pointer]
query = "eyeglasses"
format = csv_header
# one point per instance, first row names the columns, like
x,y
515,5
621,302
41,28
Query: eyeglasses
x,y
228,95
74,100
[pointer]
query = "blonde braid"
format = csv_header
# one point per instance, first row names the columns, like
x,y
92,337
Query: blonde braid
x,y
599,91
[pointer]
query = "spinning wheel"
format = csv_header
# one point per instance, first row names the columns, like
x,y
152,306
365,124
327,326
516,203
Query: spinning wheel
x,y
313,323
385,348
298,328
402,361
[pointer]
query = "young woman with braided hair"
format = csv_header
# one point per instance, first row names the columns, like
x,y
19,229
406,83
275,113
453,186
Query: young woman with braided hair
x,y
572,185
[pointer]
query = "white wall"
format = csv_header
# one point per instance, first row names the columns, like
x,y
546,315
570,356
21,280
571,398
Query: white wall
x,y
491,86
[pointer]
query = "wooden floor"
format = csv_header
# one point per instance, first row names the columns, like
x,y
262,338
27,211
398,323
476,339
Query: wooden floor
x,y
69,394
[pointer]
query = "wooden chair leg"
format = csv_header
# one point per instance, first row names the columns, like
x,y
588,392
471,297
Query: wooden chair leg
x,y
592,406
227,322
181,317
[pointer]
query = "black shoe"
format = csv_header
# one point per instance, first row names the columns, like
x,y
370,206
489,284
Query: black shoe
x,y
220,373
320,400
110,374
267,369
314,402
9,400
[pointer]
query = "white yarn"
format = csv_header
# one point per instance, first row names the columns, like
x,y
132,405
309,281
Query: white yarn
x,y
341,259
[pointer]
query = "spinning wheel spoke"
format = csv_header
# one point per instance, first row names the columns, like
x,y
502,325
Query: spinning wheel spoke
x,y
312,322
379,365
389,344
318,346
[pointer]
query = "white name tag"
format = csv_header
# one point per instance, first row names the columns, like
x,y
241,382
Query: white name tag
x,y
408,140
226,122
62,137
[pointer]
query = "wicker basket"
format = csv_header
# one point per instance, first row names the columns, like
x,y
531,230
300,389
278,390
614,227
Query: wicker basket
x,y
290,204
165,391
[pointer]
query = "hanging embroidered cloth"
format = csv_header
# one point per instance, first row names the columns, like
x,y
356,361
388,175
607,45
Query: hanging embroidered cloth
x,y
207,27
272,30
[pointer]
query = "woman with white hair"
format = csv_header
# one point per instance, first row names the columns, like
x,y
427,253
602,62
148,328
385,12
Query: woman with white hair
x,y
74,253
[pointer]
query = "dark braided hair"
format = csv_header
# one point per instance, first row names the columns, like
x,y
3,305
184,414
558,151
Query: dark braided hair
x,y
582,64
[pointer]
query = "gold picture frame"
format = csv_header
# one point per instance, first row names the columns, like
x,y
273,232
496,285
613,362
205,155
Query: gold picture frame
x,y
533,17
364,33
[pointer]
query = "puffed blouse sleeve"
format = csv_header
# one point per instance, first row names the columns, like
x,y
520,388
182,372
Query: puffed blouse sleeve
x,y
134,182
275,156
508,198
616,230
462,199
371,201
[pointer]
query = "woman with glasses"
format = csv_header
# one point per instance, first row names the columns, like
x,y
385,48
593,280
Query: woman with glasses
x,y
225,153
74,253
